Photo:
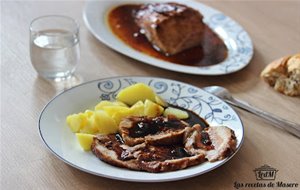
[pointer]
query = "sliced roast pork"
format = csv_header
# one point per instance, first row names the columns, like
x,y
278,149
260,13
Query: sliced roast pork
x,y
215,142
110,149
163,144
167,158
158,130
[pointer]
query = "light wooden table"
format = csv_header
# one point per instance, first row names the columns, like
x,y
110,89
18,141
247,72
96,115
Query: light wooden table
x,y
26,163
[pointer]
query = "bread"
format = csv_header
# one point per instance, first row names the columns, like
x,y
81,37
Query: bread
x,y
284,75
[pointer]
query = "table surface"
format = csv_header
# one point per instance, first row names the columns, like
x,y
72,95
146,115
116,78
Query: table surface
x,y
26,163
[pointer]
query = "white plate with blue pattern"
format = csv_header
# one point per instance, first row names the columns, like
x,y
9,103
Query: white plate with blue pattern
x,y
237,40
62,142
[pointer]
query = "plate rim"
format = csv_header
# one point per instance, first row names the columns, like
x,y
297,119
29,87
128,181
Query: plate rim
x,y
161,63
128,179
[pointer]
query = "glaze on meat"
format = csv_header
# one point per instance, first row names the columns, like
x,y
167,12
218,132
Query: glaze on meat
x,y
166,147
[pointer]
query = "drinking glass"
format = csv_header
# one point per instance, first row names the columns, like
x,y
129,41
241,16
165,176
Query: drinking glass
x,y
54,46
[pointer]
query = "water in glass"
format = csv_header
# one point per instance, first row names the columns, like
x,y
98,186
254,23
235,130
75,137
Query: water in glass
x,y
54,53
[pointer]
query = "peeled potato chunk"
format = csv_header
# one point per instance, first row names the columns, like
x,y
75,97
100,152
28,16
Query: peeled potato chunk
x,y
135,93
89,127
180,114
104,123
138,109
111,110
88,113
76,121
152,109
105,103
118,116
160,101
85,140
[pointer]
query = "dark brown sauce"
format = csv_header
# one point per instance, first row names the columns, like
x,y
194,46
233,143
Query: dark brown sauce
x,y
211,51
112,145
162,153
193,118
150,126
205,139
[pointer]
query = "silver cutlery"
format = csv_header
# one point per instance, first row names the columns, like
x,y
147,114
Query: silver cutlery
x,y
225,95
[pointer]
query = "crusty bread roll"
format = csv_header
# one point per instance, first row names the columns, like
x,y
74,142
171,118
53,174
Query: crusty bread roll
x,y
284,75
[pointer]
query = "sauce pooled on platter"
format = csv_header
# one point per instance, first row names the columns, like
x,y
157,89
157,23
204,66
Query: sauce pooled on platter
x,y
122,23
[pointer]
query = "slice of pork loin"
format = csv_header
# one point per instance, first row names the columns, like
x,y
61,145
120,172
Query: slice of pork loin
x,y
167,158
156,131
171,27
144,157
110,149
216,142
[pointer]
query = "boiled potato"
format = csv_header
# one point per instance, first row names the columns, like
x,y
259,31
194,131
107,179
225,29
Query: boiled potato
x,y
160,101
180,114
76,121
152,109
88,113
107,114
85,140
105,103
90,127
118,116
148,108
135,93
138,109
111,110
104,123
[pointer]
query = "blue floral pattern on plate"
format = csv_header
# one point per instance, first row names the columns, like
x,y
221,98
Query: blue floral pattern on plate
x,y
62,142
236,39
176,93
